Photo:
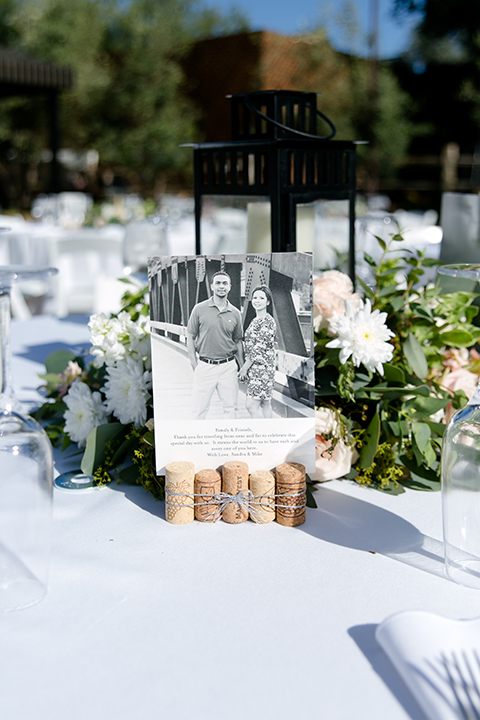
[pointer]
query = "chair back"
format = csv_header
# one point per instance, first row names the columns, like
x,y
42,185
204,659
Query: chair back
x,y
84,258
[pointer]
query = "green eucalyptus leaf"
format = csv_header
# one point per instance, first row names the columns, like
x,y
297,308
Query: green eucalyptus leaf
x,y
423,312
423,407
393,374
360,381
149,437
58,361
392,489
457,338
394,428
129,474
381,242
415,356
311,502
51,378
421,390
471,312
426,474
121,453
439,428
388,272
416,482
370,442
49,410
97,441
397,302
429,454
421,433
66,443
326,381
388,291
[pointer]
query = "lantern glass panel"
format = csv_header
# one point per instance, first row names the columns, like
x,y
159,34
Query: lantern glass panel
x,y
331,226
226,224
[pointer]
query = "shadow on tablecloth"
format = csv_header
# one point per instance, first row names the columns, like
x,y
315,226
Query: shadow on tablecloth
x,y
347,521
364,637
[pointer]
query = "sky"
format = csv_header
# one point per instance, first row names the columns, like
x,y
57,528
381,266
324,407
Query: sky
x,y
291,17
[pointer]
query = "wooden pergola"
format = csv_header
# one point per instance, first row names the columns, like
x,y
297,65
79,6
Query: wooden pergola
x,y
23,75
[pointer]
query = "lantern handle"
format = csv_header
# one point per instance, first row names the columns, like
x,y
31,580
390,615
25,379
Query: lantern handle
x,y
292,130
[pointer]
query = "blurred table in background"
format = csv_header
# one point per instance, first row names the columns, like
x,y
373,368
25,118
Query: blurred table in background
x,y
90,262
91,259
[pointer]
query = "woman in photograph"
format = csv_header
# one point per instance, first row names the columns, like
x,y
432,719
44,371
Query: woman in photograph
x,y
258,369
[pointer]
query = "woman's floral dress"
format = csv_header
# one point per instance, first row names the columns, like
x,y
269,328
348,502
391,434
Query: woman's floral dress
x,y
259,344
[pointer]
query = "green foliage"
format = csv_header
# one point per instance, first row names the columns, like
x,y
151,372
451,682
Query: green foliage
x,y
99,440
113,451
396,420
128,100
383,472
345,83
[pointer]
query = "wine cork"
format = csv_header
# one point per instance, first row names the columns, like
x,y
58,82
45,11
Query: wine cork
x,y
207,484
179,484
235,479
262,487
291,481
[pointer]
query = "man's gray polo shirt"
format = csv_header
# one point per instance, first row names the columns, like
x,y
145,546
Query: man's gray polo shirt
x,y
216,332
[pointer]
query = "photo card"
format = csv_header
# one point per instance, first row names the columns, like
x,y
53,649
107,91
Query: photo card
x,y
233,359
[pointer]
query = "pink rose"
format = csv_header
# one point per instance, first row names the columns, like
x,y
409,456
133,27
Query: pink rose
x,y
460,379
71,372
329,295
330,463
456,358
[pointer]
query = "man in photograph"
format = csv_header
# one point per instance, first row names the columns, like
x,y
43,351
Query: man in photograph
x,y
214,342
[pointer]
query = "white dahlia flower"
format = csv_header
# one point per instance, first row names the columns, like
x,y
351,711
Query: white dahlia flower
x,y
85,411
363,335
127,391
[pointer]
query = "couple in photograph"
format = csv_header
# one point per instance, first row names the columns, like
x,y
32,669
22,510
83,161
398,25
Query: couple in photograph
x,y
217,341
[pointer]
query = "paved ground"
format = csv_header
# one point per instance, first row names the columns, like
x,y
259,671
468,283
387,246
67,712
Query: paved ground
x,y
172,380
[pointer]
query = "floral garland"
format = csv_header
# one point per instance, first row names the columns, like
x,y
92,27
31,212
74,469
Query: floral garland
x,y
391,371
106,405
391,368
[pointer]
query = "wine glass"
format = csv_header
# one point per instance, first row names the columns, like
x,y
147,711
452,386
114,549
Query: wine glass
x,y
26,473
461,477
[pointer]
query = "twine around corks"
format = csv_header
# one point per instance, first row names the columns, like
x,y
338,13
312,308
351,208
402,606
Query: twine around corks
x,y
234,495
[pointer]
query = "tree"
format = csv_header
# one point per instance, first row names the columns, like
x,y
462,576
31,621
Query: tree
x,y
127,101
442,70
457,21
346,97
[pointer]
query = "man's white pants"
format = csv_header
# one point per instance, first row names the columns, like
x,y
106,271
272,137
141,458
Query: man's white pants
x,y
208,378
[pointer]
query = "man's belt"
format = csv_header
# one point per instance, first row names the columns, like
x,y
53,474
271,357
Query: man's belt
x,y
214,361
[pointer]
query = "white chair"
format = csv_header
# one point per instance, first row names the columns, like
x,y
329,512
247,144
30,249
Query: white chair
x,y
73,208
143,240
460,221
84,259
18,247
45,208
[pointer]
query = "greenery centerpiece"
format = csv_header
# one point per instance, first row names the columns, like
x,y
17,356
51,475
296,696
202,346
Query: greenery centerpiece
x,y
391,370
392,364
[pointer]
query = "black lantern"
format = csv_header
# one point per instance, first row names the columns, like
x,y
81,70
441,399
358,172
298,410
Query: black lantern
x,y
275,152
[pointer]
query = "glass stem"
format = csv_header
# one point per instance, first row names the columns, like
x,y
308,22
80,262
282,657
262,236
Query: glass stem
x,y
7,396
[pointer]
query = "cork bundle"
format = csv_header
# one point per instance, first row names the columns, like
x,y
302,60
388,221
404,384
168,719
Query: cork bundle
x,y
234,494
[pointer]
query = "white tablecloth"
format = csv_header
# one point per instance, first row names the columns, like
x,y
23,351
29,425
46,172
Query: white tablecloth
x,y
149,620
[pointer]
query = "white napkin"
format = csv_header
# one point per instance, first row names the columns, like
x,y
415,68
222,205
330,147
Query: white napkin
x,y
439,660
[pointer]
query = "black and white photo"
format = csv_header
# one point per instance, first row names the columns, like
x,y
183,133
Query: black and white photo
x,y
232,358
